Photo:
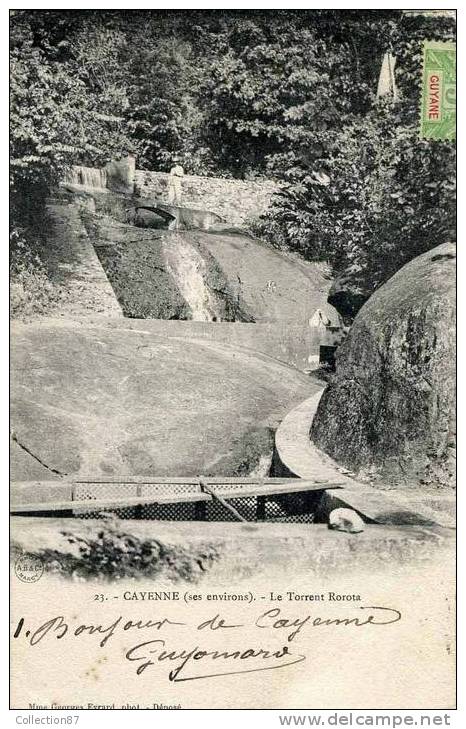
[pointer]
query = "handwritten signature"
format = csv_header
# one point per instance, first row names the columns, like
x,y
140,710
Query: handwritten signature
x,y
141,653
223,661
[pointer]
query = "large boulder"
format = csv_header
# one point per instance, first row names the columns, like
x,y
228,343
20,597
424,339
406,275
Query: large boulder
x,y
389,412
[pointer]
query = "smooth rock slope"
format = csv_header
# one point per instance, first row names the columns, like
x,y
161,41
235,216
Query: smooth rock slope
x,y
104,399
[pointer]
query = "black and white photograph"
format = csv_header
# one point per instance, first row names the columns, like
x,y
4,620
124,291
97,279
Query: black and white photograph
x,y
233,359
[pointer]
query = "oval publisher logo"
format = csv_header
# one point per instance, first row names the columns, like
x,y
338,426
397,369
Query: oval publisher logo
x,y
29,568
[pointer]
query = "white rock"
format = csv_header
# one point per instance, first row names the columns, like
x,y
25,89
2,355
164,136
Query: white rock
x,y
345,520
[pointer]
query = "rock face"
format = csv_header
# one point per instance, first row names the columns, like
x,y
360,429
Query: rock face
x,y
389,412
151,271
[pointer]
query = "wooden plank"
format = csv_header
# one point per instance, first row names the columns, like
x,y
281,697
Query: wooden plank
x,y
144,481
190,480
23,503
89,480
47,492
40,491
268,490
102,504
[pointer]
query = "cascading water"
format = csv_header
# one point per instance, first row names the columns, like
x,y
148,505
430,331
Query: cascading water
x,y
188,269
90,177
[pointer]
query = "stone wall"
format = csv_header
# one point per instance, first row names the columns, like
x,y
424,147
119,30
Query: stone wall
x,y
236,201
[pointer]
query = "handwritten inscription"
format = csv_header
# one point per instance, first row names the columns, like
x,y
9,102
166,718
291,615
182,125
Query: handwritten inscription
x,y
200,661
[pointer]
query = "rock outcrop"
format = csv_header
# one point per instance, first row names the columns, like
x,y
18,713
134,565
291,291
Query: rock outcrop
x,y
249,280
389,412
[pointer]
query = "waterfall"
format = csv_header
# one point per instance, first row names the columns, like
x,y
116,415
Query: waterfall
x,y
91,177
188,268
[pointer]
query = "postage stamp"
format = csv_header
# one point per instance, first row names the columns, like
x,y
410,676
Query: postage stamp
x,y
438,99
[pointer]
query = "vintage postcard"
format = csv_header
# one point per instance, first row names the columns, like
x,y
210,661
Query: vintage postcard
x,y
233,305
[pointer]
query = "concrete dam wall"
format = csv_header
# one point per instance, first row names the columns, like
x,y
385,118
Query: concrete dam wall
x,y
235,201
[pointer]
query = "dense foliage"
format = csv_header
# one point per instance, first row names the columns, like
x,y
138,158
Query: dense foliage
x,y
65,102
283,94
377,195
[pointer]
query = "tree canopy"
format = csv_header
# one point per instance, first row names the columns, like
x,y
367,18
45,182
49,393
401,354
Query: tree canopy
x,y
287,94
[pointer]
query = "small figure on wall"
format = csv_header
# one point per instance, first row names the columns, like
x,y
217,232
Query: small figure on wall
x,y
174,182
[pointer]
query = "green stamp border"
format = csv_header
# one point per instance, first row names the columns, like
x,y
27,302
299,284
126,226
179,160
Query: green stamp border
x,y
436,131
